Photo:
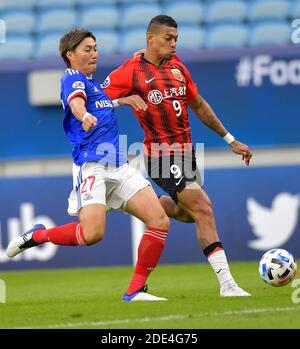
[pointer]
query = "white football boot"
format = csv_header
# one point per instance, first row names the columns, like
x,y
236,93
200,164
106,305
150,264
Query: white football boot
x,y
23,242
141,296
231,289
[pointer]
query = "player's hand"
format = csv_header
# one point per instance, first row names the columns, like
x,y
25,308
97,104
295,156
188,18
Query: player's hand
x,y
242,149
134,101
139,52
89,122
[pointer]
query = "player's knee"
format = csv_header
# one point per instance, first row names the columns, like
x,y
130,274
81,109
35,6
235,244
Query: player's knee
x,y
92,235
163,222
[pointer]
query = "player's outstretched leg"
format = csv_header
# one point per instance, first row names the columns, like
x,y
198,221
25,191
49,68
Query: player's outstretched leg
x,y
70,234
151,245
89,231
23,242
197,204
217,259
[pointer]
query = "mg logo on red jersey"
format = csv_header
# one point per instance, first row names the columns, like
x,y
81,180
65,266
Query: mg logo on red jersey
x,y
155,97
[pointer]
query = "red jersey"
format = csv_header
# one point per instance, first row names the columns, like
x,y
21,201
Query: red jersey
x,y
165,89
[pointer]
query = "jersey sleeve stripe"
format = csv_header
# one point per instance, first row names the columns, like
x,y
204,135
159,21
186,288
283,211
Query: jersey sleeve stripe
x,y
76,93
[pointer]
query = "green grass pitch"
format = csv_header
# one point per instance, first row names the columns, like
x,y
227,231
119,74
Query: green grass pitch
x,y
91,298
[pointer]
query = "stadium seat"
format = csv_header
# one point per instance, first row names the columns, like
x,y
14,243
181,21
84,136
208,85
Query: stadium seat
x,y
17,4
227,36
100,18
130,2
57,20
85,3
55,3
274,33
133,40
107,41
269,10
17,47
190,37
139,15
47,46
226,11
295,9
13,19
185,13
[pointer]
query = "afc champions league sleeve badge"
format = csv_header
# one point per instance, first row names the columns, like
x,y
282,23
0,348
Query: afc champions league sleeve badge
x,y
177,73
105,83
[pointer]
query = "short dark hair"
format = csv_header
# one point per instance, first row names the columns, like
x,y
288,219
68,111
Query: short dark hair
x,y
161,20
71,40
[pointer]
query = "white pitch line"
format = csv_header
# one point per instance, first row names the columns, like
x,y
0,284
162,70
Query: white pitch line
x,y
172,317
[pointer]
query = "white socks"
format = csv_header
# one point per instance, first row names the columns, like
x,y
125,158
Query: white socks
x,y
218,262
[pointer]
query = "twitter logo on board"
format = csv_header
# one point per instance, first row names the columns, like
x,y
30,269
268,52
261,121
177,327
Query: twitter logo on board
x,y
273,226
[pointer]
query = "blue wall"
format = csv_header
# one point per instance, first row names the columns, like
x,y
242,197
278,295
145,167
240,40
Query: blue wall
x,y
29,200
263,114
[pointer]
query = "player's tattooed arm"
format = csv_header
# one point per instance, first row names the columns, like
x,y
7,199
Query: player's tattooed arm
x,y
205,113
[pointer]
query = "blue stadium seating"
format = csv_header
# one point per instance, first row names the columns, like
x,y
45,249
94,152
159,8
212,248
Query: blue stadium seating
x,y
87,3
57,20
47,46
107,41
226,11
273,33
55,3
130,2
119,23
191,37
185,13
227,36
133,40
104,17
13,20
17,4
295,9
269,10
17,47
139,15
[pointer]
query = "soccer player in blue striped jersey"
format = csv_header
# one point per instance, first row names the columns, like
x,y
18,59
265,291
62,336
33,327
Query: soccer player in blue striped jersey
x,y
76,88
101,176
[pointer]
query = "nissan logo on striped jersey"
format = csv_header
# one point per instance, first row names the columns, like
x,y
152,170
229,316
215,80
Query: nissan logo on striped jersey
x,y
155,97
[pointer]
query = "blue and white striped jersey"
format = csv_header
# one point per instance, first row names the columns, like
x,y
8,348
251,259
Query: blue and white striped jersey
x,y
102,142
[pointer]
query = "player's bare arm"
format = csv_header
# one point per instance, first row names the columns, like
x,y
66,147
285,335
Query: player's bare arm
x,y
204,112
78,109
134,101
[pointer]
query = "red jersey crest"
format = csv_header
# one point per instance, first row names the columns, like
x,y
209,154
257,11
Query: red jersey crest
x,y
176,72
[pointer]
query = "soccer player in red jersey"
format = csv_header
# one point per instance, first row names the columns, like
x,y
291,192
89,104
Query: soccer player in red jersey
x,y
165,84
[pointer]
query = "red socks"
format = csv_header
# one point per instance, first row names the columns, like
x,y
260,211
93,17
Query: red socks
x,y
70,234
149,252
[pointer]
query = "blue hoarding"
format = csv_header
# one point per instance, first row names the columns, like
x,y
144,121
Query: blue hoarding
x,y
256,209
